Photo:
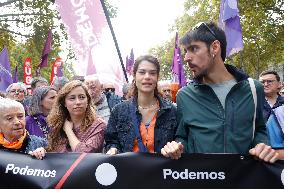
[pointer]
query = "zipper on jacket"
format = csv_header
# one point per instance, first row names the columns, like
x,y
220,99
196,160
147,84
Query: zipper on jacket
x,y
229,93
222,113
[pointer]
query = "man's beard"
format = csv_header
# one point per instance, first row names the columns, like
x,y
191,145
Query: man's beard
x,y
200,76
205,72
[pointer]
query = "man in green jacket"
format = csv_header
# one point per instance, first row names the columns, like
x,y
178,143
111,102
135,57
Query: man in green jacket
x,y
216,111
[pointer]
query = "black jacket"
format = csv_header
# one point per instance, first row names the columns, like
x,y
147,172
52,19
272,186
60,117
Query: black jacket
x,y
120,131
267,109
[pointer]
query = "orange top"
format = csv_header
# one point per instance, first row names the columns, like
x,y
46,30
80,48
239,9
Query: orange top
x,y
13,145
147,135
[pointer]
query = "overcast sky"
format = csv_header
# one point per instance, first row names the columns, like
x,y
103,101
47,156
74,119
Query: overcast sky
x,y
142,24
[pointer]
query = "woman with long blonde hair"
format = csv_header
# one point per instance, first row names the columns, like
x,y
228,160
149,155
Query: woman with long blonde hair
x,y
73,122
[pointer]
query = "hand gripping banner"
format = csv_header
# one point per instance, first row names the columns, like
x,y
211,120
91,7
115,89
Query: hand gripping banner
x,y
138,170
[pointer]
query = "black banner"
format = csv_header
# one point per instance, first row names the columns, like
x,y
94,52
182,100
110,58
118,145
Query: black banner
x,y
138,170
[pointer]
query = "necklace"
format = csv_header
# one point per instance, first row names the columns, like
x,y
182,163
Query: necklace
x,y
148,107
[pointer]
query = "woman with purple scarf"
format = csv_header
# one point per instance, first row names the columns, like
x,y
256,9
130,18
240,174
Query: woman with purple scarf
x,y
40,105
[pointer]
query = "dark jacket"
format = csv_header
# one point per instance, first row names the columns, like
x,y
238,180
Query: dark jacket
x,y
31,143
112,99
206,127
120,131
267,109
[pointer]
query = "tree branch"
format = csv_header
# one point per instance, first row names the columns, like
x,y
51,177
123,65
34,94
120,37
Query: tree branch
x,y
15,20
17,33
8,2
29,14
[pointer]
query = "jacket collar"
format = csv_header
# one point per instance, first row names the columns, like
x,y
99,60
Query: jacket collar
x,y
279,102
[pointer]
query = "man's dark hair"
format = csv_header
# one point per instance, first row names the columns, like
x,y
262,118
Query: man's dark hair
x,y
270,72
36,80
206,32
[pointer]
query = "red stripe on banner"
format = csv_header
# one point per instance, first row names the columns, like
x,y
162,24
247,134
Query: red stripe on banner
x,y
69,171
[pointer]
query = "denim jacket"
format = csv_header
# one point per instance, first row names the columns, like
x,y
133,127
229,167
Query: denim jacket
x,y
120,131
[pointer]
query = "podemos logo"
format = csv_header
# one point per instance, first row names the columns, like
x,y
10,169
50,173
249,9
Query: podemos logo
x,y
186,174
11,168
106,174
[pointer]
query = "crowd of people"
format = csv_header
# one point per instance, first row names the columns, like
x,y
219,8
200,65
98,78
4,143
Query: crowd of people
x,y
221,110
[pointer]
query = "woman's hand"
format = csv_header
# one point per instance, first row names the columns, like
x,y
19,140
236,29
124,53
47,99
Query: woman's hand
x,y
39,153
72,138
112,151
68,125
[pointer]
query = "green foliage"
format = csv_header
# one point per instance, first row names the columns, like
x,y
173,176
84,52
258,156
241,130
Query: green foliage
x,y
25,25
263,31
23,30
112,10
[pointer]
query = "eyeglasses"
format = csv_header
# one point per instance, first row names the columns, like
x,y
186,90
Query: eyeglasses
x,y
167,91
269,82
109,90
17,91
200,24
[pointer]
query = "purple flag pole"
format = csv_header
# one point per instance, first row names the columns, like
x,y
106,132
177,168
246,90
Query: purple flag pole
x,y
5,70
114,38
15,75
45,52
175,58
229,21
130,62
127,64
182,78
177,65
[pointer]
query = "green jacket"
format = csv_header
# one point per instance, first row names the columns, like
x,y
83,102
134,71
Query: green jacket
x,y
204,126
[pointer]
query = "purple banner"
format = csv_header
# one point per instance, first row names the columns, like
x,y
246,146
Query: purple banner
x,y
91,40
5,70
229,21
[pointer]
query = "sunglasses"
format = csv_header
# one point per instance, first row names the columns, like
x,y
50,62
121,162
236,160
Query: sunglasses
x,y
109,90
204,25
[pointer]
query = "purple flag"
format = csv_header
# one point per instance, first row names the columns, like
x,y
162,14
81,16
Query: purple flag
x,y
15,75
130,63
46,50
177,65
5,70
229,21
126,62
92,40
60,71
